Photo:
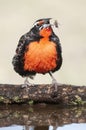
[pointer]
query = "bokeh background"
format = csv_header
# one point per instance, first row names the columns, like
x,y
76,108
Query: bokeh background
x,y
18,16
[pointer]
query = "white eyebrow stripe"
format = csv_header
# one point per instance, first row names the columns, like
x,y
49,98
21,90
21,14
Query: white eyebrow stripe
x,y
35,23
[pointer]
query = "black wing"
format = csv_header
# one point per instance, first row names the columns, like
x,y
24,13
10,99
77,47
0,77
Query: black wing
x,y
56,40
18,59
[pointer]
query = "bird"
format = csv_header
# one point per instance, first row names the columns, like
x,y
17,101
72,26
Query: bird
x,y
38,51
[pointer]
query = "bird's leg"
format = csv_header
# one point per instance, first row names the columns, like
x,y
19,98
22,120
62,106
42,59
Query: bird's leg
x,y
26,83
54,82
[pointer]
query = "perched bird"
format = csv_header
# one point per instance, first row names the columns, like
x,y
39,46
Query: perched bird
x,y
38,51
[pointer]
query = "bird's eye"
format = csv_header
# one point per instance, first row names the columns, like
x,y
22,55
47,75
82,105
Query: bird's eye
x,y
37,25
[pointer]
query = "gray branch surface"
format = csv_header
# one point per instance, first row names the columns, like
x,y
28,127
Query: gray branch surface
x,y
44,93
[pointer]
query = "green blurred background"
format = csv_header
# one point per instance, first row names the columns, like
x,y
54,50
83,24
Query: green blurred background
x,y
18,16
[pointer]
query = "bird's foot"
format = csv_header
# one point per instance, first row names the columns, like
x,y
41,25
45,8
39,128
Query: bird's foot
x,y
55,84
27,84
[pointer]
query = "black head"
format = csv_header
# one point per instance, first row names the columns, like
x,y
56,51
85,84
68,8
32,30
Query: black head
x,y
41,22
40,25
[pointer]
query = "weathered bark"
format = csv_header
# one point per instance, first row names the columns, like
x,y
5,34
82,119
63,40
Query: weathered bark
x,y
65,95
39,115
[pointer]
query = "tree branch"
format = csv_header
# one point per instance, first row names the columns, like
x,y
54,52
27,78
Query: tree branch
x,y
45,93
